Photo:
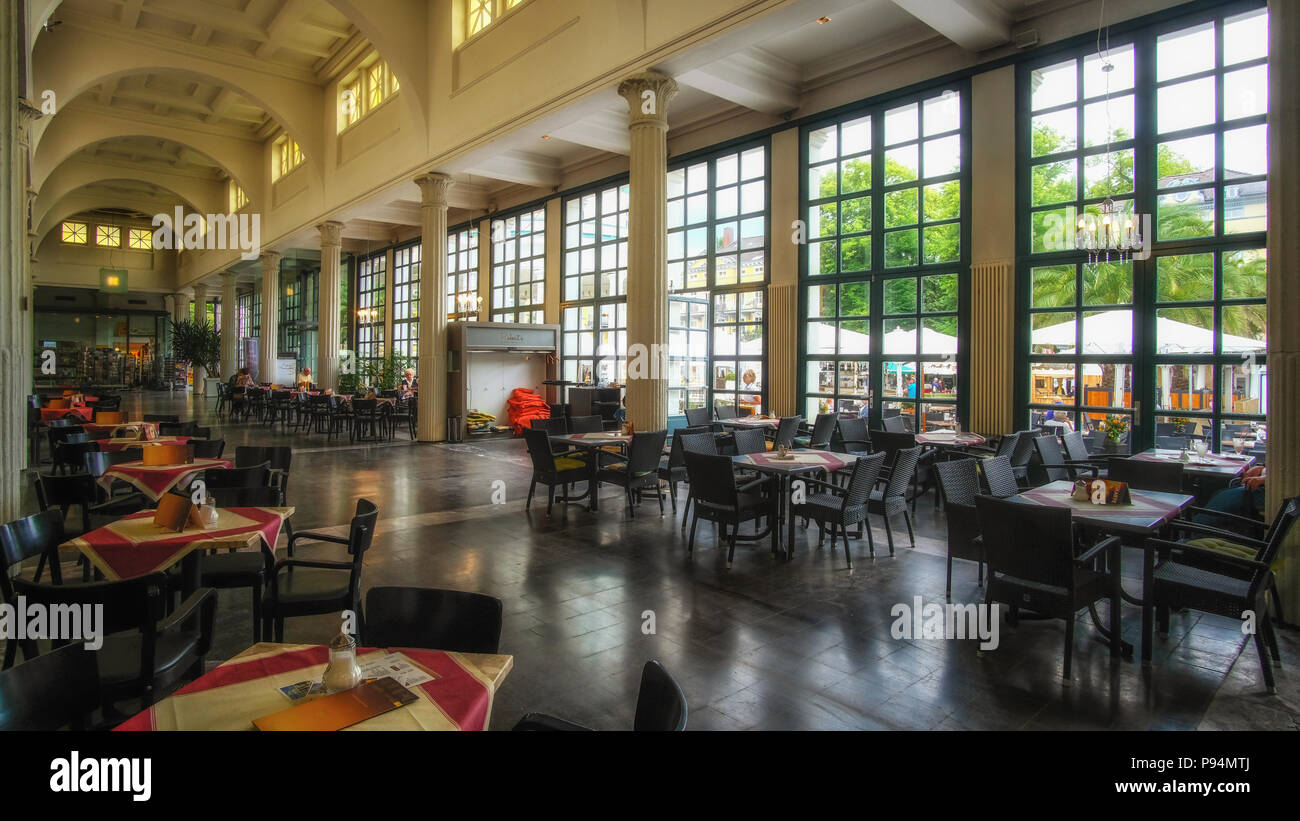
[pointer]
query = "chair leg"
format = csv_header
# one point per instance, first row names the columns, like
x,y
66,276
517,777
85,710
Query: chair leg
x,y
550,499
731,547
279,628
257,610
911,537
1270,637
947,588
690,545
672,495
1261,647
848,557
531,487
1069,645
871,541
889,534
1277,600
686,511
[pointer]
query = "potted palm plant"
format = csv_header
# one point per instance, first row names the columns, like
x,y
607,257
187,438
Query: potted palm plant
x,y
199,344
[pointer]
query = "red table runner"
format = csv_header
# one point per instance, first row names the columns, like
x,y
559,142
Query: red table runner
x,y
155,480
84,412
115,445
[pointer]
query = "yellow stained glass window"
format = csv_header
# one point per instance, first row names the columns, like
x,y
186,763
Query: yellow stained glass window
x,y
108,236
140,239
74,232
375,81
287,156
480,15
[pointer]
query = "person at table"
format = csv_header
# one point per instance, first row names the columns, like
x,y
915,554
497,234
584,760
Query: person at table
x,y
409,383
749,388
303,381
1245,499
244,379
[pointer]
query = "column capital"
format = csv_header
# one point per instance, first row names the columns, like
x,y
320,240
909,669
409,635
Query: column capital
x,y
331,233
433,188
230,276
648,95
200,290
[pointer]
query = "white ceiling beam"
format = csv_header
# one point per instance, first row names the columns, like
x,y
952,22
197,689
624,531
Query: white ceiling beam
x,y
603,130
519,167
975,25
279,25
752,78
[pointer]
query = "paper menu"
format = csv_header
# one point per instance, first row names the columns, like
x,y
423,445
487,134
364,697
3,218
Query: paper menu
x,y
396,666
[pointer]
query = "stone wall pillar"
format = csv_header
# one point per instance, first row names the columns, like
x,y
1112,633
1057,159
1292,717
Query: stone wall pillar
x,y
431,408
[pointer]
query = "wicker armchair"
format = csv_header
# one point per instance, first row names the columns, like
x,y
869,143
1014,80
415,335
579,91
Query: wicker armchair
x,y
840,507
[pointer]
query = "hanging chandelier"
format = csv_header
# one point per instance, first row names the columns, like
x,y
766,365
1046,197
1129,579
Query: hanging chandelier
x,y
1110,234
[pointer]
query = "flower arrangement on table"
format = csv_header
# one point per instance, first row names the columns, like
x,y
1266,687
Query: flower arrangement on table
x,y
1180,424
1114,427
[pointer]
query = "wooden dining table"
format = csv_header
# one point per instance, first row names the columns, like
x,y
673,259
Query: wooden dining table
x,y
1149,512
247,687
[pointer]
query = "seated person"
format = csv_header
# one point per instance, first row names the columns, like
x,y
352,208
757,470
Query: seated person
x,y
409,383
303,382
244,379
1245,499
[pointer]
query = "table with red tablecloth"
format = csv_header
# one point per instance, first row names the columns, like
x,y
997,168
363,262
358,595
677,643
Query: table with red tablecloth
x,y
155,480
247,687
150,429
83,413
115,445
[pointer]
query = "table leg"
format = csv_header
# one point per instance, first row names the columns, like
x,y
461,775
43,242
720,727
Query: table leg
x,y
789,513
592,485
1116,601
1148,616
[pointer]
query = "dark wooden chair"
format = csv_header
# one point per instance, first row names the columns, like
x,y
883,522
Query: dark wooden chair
x,y
56,690
1036,563
208,448
239,569
842,507
660,707
310,587
450,620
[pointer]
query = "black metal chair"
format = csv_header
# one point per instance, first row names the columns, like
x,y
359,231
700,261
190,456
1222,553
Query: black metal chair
x,y
450,620
820,436
147,649
551,470
1141,474
37,536
892,499
365,421
56,690
279,458
999,478
1218,582
841,507
716,497
698,416
208,448
638,471
311,587
660,707
959,482
1035,562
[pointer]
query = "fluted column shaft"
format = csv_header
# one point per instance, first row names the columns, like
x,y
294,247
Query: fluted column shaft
x,y
268,346
1283,288
431,424
647,97
200,318
327,296
229,329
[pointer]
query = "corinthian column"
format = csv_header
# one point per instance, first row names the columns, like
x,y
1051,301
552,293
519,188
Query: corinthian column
x,y
327,296
269,343
647,97
229,331
1283,289
431,424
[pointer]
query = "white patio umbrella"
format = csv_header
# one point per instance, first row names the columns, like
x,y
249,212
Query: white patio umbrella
x,y
1111,332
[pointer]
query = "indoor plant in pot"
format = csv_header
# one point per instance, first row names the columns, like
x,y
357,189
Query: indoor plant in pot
x,y
199,344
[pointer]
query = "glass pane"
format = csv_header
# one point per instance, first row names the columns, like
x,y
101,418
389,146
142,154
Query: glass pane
x,y
821,183
1244,274
899,378
855,215
855,136
900,248
1245,390
1055,131
822,145
906,410
855,299
1054,85
1097,80
1108,283
1245,37
1183,387
1185,214
819,376
942,201
1243,329
1185,330
821,338
1245,92
1184,52
855,254
1188,278
1054,182
942,113
822,220
1245,151
1108,174
822,257
1245,207
1184,162
901,164
939,294
900,296
942,243
901,208
1115,119
1051,383
855,174
855,337
1107,385
1053,286
1053,229
1108,332
854,379
900,336
901,124
1185,105
942,156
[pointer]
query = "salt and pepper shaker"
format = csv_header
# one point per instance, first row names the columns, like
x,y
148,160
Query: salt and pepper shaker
x,y
342,672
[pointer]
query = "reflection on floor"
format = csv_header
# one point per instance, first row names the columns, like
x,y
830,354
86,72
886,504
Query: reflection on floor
x,y
767,645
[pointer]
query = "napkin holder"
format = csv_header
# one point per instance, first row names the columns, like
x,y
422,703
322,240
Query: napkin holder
x,y
176,513
1101,492
168,454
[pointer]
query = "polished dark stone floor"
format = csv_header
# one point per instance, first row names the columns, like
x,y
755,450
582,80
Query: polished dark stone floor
x,y
762,645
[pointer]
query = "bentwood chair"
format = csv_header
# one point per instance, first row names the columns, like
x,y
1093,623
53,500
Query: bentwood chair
x,y
842,507
1036,562
959,482
660,707
716,497
147,649
56,690
891,500
37,536
311,587
551,470
638,471
243,568
426,617
208,448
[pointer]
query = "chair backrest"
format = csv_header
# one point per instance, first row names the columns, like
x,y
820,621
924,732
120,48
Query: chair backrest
x,y
450,620
823,427
1278,531
539,449
1007,444
660,705
65,433
853,434
97,462
256,476
645,451
725,410
554,426
1033,543
713,480
130,604
999,476
786,429
365,407
57,689
208,448
27,538
959,480
177,428
280,457
360,535
698,416
73,453
1141,474
902,470
1075,447
890,443
586,424
705,443
1024,449
866,470
1053,460
676,454
895,423
749,440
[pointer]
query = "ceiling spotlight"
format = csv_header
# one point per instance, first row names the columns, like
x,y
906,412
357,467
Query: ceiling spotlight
x,y
546,136
821,21
49,24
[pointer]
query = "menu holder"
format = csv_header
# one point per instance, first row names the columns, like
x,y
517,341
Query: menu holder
x,y
171,453
334,712
176,513
1101,492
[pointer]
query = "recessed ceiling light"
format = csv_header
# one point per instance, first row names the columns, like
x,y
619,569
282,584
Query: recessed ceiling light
x,y
821,21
